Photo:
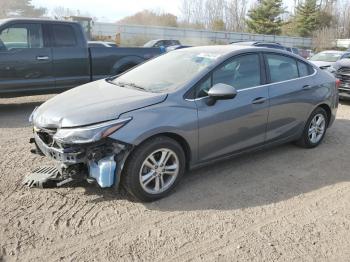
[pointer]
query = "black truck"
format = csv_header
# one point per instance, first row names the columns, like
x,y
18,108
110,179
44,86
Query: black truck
x,y
48,56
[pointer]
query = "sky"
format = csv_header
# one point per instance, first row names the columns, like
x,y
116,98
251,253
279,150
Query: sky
x,y
113,10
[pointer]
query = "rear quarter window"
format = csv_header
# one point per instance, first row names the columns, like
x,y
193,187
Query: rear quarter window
x,y
281,67
63,36
304,69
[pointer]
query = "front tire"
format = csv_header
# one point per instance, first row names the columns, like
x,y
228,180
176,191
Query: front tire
x,y
154,169
315,129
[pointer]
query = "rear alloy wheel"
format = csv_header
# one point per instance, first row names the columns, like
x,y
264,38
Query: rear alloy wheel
x,y
315,129
154,168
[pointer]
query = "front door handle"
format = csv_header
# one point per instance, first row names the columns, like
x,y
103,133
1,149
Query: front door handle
x,y
307,87
259,100
42,58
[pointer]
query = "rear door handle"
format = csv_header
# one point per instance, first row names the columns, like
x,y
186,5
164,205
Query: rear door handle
x,y
307,87
42,58
259,100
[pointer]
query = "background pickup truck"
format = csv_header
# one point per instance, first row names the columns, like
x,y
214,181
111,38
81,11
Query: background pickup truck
x,y
48,56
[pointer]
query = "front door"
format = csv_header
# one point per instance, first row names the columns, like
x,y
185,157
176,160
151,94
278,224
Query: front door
x,y
25,61
233,125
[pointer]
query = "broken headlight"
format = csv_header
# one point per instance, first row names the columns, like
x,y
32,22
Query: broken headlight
x,y
89,134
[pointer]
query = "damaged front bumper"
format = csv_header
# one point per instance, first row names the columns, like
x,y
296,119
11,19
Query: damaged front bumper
x,y
99,162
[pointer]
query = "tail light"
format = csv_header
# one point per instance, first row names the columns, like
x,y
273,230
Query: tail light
x,y
337,83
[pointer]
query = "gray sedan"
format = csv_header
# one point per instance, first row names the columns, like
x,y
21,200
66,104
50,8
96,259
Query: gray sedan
x,y
185,109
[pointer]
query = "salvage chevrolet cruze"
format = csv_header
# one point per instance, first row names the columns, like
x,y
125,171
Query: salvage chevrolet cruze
x,y
143,129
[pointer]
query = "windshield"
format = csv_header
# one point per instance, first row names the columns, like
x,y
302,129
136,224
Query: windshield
x,y
167,72
150,43
327,56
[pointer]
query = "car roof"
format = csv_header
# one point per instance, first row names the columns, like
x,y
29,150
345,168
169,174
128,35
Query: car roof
x,y
217,49
254,43
36,20
224,50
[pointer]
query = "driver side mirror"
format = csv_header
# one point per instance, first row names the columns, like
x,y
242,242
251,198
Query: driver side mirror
x,y
220,92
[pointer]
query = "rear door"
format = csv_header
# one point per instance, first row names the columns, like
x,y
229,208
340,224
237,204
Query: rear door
x,y
25,59
71,62
290,92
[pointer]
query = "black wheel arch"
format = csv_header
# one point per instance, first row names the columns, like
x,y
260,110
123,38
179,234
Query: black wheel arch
x,y
178,138
125,64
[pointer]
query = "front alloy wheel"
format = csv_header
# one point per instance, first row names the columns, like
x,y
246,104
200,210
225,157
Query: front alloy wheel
x,y
159,171
154,168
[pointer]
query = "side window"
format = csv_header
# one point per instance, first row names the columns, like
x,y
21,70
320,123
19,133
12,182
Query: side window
x,y
159,44
240,72
346,55
21,36
63,36
168,43
304,69
281,67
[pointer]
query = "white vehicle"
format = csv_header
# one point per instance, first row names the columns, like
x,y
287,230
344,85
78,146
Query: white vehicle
x,y
326,59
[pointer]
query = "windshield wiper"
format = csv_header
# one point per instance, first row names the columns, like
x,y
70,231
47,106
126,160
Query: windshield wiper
x,y
123,84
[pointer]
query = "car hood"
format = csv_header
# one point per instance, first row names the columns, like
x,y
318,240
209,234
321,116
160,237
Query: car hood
x,y
92,103
322,63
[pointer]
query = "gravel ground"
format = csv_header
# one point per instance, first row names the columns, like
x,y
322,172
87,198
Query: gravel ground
x,y
284,204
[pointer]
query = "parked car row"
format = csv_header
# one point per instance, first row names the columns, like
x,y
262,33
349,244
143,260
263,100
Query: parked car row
x,y
337,63
55,56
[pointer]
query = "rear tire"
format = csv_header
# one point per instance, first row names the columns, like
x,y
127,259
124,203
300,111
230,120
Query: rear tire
x,y
315,129
154,169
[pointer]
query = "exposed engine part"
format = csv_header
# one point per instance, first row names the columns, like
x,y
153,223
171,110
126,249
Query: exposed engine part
x,y
99,162
103,171
66,181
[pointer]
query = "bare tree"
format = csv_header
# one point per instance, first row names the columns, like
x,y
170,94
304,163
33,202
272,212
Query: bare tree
x,y
17,8
324,38
193,13
235,13
215,14
60,12
342,16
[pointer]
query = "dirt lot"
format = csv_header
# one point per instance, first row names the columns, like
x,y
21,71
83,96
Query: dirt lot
x,y
284,204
